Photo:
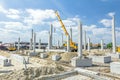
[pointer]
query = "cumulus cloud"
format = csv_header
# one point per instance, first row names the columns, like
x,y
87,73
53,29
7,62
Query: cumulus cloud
x,y
38,16
106,22
14,26
111,14
69,22
17,24
10,13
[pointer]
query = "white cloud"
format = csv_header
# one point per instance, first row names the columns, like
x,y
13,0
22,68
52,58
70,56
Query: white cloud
x,y
89,28
101,31
14,26
2,10
38,16
13,14
106,22
10,13
111,14
69,22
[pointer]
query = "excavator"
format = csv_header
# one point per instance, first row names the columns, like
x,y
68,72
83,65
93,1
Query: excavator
x,y
73,45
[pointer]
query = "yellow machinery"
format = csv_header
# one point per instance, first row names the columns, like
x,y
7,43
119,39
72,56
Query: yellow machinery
x,y
72,44
118,49
11,47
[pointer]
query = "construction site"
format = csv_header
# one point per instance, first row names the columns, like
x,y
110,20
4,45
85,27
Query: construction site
x,y
67,60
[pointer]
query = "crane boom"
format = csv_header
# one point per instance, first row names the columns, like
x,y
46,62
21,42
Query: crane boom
x,y
63,26
72,44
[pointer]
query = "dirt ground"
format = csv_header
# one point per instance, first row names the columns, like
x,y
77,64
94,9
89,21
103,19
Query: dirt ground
x,y
39,67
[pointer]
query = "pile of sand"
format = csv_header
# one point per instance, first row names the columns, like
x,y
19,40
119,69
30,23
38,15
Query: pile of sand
x,y
32,73
68,56
4,53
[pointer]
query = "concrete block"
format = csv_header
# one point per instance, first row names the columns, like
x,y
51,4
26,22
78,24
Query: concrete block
x,y
21,59
56,57
115,67
101,59
43,55
5,61
57,50
32,54
114,55
77,62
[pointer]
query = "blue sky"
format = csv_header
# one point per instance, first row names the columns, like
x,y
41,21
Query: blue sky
x,y
18,17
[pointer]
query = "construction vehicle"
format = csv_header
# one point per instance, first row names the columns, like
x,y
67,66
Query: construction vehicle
x,y
73,45
118,49
11,47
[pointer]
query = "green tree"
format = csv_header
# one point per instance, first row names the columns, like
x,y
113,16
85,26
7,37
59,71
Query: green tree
x,y
109,45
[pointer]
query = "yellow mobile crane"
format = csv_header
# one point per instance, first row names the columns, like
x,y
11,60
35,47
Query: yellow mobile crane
x,y
73,45
118,49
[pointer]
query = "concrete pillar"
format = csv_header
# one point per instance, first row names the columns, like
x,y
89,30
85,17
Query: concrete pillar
x,y
58,43
30,44
39,43
68,43
32,38
79,61
79,39
71,33
49,44
102,43
51,33
34,42
18,44
113,35
62,40
88,44
84,40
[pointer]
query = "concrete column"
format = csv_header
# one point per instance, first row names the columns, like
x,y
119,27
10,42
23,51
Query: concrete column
x,y
34,42
88,44
49,44
58,43
32,38
71,33
102,43
84,40
113,35
79,39
30,44
51,33
18,44
62,40
68,43
39,43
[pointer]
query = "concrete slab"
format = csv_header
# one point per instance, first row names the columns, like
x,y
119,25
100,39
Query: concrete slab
x,y
114,55
32,54
56,57
115,67
101,59
77,62
43,55
19,58
5,61
57,50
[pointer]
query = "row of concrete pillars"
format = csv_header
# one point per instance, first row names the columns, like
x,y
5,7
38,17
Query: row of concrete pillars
x,y
33,39
88,46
